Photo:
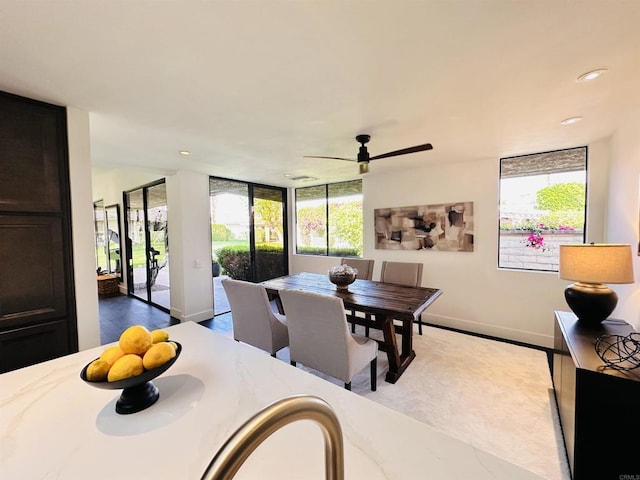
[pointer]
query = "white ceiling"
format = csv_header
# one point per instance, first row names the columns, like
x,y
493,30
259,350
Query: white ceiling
x,y
250,87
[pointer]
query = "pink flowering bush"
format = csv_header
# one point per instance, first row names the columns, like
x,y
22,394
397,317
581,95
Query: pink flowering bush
x,y
535,238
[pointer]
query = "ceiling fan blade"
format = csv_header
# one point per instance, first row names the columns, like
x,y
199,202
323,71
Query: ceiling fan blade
x,y
404,151
331,158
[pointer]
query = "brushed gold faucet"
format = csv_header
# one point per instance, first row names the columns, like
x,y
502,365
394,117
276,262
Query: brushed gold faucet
x,y
228,460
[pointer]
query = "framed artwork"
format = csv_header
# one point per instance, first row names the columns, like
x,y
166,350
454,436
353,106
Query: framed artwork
x,y
446,226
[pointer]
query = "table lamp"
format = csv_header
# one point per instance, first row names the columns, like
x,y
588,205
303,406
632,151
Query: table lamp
x,y
591,266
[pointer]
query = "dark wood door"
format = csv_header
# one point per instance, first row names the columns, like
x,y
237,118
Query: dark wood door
x,y
37,299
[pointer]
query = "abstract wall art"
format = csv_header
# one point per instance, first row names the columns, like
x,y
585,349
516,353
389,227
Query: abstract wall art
x,y
446,226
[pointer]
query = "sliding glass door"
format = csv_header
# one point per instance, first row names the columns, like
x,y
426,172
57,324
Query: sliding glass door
x,y
248,233
148,244
269,233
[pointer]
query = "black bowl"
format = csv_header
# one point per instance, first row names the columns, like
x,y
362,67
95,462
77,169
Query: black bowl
x,y
138,392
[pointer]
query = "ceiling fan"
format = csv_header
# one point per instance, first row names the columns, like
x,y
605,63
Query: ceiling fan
x,y
363,158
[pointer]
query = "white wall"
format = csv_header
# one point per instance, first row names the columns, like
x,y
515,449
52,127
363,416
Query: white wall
x,y
477,296
84,260
189,233
190,239
108,184
624,210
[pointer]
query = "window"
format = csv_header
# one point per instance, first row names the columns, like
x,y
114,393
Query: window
x,y
542,205
329,219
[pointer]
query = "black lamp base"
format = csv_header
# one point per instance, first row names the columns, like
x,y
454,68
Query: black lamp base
x,y
592,303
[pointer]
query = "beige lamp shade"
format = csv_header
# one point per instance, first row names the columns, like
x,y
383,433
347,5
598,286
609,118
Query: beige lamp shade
x,y
596,263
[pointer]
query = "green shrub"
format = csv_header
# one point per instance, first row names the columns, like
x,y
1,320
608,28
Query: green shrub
x,y
562,219
304,250
220,233
345,252
334,252
236,261
506,225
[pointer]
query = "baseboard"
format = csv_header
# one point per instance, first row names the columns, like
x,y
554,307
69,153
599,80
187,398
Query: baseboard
x,y
194,317
494,332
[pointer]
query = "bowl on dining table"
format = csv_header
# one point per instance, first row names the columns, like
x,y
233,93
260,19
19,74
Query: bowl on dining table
x,y
342,276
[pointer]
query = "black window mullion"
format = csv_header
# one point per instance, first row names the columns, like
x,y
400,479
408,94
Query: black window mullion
x,y
326,230
147,238
252,234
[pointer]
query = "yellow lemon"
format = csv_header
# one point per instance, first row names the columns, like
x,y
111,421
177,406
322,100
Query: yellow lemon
x,y
97,370
111,354
159,335
127,366
174,345
157,355
136,339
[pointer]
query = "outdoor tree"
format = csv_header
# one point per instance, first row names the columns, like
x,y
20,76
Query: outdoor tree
x,y
310,219
269,214
345,223
220,233
561,196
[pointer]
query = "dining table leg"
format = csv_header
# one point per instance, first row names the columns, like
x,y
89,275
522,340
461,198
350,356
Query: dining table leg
x,y
398,360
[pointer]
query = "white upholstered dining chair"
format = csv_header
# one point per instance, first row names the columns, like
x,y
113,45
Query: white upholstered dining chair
x,y
403,273
363,265
319,337
254,321
365,272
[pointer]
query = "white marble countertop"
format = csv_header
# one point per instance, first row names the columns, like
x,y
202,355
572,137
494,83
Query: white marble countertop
x,y
55,426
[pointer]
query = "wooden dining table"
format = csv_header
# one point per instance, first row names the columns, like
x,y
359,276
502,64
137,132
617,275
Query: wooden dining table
x,y
382,303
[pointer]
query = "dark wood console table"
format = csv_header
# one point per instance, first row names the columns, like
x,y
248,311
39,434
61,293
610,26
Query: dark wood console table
x,y
599,407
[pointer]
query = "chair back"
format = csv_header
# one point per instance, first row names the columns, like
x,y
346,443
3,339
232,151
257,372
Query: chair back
x,y
254,321
363,265
402,273
318,333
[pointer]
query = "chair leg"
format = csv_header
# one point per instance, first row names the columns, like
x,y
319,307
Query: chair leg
x,y
420,327
374,374
353,327
273,355
366,328
293,363
347,386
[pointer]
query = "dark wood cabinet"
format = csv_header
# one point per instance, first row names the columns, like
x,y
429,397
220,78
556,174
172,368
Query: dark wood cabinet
x,y
37,300
599,407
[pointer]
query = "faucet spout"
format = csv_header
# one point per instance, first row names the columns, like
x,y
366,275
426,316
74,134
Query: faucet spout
x,y
258,428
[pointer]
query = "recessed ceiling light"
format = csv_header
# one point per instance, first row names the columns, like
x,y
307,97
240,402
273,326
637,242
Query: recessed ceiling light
x,y
570,121
592,75
184,152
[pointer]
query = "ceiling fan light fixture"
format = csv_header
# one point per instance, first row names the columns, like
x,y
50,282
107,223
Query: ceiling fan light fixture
x,y
363,157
